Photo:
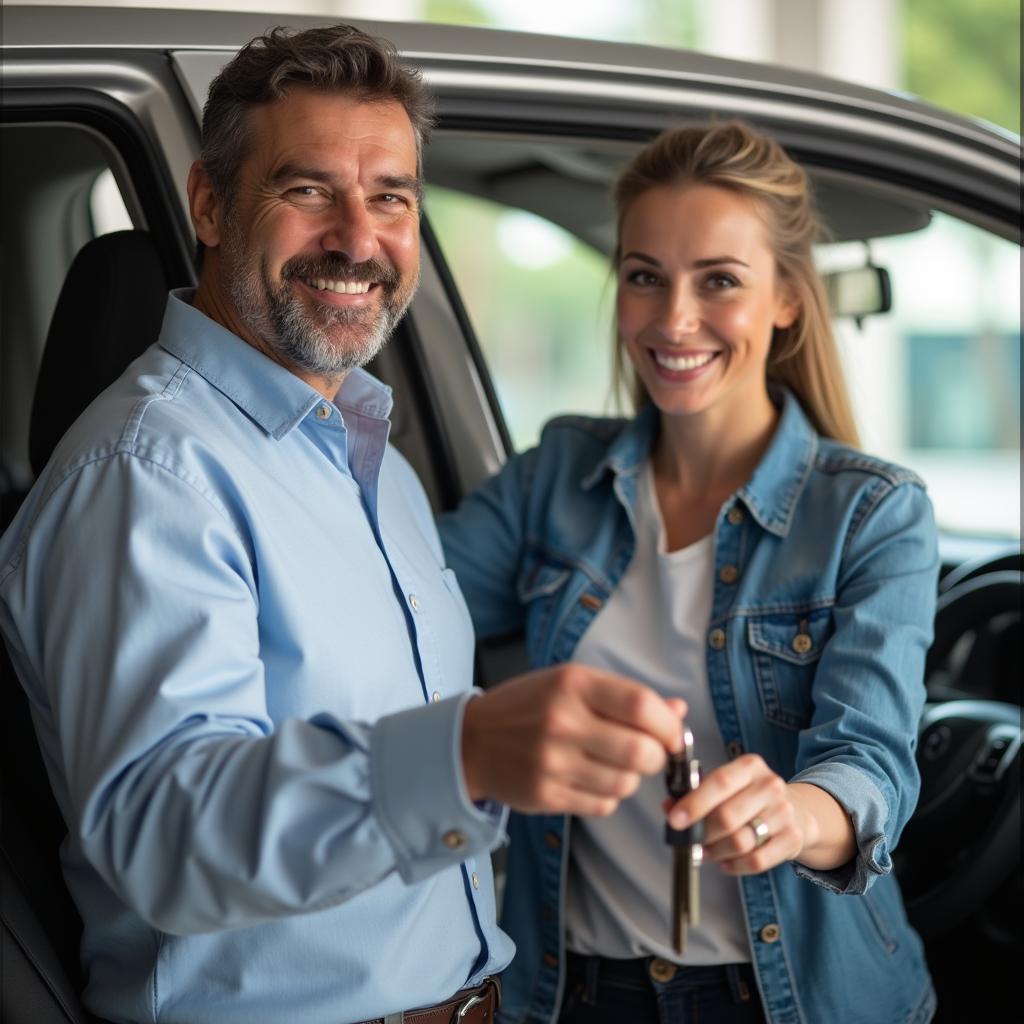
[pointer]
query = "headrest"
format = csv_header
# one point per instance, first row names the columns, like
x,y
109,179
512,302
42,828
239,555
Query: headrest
x,y
109,310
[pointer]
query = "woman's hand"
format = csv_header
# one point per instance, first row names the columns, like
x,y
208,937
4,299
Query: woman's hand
x,y
754,820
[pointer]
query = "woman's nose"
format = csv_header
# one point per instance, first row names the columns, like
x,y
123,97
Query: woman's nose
x,y
680,316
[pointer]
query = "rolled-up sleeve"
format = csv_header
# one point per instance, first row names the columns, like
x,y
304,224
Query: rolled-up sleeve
x,y
868,689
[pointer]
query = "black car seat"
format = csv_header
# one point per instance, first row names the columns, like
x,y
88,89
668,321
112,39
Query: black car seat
x,y
109,310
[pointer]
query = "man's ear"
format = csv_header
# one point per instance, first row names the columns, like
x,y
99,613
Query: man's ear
x,y
205,206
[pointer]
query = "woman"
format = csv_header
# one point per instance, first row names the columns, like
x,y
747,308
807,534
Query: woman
x,y
728,545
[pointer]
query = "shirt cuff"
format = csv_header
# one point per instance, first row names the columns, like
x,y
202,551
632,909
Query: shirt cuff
x,y
868,811
419,793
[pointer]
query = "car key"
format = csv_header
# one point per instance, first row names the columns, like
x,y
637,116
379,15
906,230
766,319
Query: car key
x,y
681,776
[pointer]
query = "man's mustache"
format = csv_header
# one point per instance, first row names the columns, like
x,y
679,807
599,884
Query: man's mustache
x,y
337,268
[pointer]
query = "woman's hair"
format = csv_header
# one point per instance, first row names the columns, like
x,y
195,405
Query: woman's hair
x,y
731,155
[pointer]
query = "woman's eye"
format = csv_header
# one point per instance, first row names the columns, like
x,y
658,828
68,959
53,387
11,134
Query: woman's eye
x,y
642,278
718,282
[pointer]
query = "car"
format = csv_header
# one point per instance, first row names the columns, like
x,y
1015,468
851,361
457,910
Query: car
x,y
99,124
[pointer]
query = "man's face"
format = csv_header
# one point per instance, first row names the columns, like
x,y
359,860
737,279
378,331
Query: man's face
x,y
319,245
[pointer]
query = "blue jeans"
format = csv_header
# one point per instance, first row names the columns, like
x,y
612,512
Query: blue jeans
x,y
599,990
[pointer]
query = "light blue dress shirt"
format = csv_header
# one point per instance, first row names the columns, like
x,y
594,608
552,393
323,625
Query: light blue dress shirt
x,y
247,665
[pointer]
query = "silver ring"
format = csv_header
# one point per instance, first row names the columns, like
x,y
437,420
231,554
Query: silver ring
x,y
760,831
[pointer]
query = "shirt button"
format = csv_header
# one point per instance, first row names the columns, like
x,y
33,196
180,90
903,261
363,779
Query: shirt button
x,y
717,639
454,839
475,879
414,602
323,412
591,601
662,970
770,933
733,749
552,839
550,959
435,696
735,515
802,643
729,574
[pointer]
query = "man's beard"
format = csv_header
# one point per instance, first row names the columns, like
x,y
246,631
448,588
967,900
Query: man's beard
x,y
303,335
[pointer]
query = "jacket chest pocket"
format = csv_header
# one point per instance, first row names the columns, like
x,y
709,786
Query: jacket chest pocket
x,y
541,593
785,650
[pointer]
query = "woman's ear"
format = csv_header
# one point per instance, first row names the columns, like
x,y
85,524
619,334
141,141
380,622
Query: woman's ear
x,y
788,306
204,206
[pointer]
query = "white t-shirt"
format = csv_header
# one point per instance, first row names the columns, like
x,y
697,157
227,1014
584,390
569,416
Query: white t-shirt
x,y
653,629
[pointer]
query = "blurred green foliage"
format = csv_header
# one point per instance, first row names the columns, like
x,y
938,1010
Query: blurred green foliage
x,y
965,56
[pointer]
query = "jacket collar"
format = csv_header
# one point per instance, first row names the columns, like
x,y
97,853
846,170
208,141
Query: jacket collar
x,y
774,488
272,396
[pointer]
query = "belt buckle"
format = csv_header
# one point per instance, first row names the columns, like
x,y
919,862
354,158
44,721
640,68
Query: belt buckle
x,y
468,1005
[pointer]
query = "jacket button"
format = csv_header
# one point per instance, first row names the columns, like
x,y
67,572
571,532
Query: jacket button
x,y
729,574
550,959
553,840
802,643
662,970
733,749
770,933
591,601
735,516
717,639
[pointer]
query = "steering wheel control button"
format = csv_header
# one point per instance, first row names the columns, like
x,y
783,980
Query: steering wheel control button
x,y
323,412
802,643
735,516
996,755
770,933
936,743
662,970
716,638
729,574
454,839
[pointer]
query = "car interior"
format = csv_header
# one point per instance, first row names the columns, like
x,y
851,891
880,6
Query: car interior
x,y
82,298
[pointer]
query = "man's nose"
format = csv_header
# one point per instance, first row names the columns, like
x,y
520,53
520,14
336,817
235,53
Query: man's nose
x,y
350,231
681,316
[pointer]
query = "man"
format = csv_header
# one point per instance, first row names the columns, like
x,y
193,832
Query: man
x,y
249,668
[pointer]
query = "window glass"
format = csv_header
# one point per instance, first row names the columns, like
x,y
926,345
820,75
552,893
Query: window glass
x,y
936,382
539,301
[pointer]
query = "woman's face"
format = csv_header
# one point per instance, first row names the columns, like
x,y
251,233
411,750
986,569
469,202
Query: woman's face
x,y
698,299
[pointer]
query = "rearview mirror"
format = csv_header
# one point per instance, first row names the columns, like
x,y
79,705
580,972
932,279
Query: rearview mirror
x,y
859,292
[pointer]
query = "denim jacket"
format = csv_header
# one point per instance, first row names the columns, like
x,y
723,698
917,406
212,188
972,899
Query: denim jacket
x,y
825,576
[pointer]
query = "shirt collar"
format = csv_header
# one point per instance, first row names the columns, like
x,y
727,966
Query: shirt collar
x,y
274,397
772,491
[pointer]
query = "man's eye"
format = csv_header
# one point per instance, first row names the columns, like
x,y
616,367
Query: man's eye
x,y
305,192
392,199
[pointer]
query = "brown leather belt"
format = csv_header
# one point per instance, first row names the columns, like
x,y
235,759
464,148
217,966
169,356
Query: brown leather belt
x,y
470,1006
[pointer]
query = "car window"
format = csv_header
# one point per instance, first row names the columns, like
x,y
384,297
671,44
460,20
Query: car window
x,y
935,382
539,301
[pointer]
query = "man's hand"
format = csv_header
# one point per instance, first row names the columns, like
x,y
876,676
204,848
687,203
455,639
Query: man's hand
x,y
567,740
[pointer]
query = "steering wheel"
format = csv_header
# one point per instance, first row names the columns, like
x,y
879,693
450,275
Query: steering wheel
x,y
976,652
964,840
